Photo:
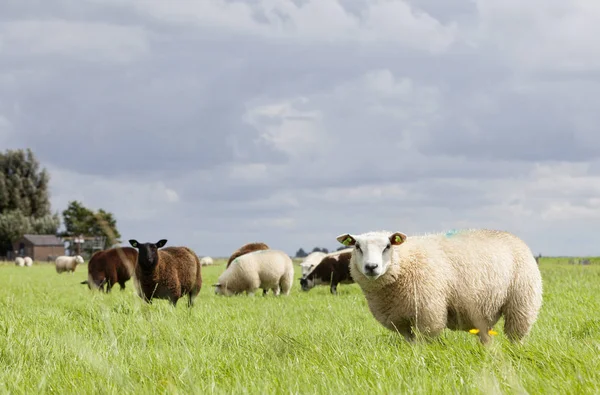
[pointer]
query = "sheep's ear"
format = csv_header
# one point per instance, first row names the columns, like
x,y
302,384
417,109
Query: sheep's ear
x,y
84,282
217,285
161,243
134,243
397,238
346,239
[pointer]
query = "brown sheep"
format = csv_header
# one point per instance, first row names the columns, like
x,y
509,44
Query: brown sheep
x,y
110,267
246,248
168,273
333,269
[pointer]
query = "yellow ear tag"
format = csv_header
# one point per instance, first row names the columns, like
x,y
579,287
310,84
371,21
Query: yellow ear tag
x,y
347,241
398,239
474,331
492,332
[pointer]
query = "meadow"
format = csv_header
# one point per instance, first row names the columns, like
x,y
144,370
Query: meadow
x,y
56,336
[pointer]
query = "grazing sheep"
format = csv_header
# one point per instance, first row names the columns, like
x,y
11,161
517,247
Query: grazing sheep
x,y
19,261
110,267
206,261
169,273
333,269
68,263
458,280
28,261
266,269
311,261
246,248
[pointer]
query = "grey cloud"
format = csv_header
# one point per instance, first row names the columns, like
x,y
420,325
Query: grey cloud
x,y
273,136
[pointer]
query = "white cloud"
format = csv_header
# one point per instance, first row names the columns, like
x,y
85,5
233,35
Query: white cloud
x,y
89,41
542,35
129,199
387,22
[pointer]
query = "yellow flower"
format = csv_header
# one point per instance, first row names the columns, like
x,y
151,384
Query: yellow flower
x,y
490,332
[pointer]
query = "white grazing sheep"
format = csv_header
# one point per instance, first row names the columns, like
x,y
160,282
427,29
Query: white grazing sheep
x,y
459,280
206,261
68,263
19,261
28,261
266,269
311,261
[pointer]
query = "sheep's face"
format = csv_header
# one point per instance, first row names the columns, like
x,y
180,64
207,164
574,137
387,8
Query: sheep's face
x,y
79,259
307,283
147,252
221,290
372,251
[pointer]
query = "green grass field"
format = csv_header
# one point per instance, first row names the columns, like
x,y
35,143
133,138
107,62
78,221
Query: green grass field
x,y
56,336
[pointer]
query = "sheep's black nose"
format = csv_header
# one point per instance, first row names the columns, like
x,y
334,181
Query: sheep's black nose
x,y
370,267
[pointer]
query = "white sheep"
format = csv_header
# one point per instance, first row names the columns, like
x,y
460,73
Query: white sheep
x,y
19,261
28,261
206,261
266,269
311,261
68,263
460,280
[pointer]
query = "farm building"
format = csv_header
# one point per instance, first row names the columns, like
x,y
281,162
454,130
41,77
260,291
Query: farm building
x,y
39,247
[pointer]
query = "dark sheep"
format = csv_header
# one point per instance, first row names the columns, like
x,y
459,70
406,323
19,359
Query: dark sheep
x,y
169,273
246,248
110,267
333,269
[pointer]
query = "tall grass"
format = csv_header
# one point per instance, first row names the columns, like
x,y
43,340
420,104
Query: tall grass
x,y
56,336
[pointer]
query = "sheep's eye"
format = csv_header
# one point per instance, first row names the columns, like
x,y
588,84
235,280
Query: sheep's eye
x,y
387,247
357,246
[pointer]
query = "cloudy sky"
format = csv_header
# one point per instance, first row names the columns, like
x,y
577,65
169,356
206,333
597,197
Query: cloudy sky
x,y
213,123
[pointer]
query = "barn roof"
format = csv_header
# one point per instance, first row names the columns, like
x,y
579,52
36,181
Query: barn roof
x,y
43,240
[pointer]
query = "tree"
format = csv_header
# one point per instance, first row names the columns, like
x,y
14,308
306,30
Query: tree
x,y
80,220
24,198
301,253
317,249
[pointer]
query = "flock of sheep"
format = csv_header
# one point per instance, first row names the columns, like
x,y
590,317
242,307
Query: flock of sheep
x,y
461,280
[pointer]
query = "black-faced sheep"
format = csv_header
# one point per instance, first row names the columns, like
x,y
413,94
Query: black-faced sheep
x,y
246,248
168,273
110,267
266,269
68,263
458,280
333,269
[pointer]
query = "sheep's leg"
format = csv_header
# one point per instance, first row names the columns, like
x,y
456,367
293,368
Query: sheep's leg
x,y
405,330
122,284
333,289
519,317
277,290
265,292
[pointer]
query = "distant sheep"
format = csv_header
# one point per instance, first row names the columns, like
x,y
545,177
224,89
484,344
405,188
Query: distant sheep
x,y
266,269
246,248
206,261
68,263
333,269
28,261
459,280
311,261
19,261
169,273
109,267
